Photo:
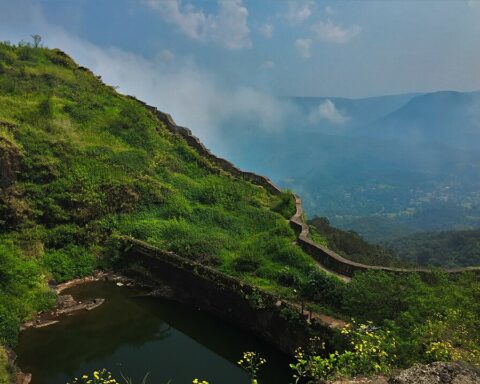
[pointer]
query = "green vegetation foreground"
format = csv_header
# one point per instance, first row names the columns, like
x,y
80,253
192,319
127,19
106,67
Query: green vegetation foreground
x,y
83,165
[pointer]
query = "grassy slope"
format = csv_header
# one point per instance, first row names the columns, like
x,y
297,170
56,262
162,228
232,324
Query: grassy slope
x,y
93,165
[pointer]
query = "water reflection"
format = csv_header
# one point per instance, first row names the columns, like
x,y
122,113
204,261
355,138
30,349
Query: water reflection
x,y
133,335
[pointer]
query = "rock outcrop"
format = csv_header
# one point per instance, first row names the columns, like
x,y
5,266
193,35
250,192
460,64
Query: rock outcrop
x,y
438,373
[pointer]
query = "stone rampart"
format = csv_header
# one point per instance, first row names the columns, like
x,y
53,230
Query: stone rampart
x,y
324,256
241,304
195,143
334,262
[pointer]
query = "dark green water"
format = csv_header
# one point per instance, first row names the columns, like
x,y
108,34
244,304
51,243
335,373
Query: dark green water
x,y
134,335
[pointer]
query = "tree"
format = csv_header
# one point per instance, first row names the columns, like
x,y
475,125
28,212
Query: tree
x,y
36,40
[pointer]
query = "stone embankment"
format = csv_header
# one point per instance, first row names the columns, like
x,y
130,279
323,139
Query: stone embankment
x,y
269,317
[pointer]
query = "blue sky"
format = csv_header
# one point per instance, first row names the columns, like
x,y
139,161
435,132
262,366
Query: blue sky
x,y
206,61
324,48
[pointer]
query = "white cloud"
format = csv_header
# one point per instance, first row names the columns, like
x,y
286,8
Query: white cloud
x,y
334,33
268,65
165,56
192,95
328,111
303,47
227,28
298,11
266,30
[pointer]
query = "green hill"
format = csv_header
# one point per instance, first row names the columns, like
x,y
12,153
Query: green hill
x,y
82,165
441,249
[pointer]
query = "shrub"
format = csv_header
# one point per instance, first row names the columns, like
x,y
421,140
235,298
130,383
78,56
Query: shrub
x,y
9,325
372,351
69,262
286,205
247,262
5,374
288,277
323,288
22,291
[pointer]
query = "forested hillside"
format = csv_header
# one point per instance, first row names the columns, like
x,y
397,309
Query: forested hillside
x,y
445,249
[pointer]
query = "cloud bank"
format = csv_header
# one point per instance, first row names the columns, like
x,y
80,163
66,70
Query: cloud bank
x,y
192,95
227,28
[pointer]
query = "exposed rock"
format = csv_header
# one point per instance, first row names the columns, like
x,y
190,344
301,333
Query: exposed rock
x,y
65,301
362,380
24,378
438,373
78,306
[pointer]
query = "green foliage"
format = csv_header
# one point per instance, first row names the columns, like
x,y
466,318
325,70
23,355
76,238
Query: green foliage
x,y
447,249
96,165
289,277
5,370
438,318
69,262
247,262
22,291
286,205
371,351
321,287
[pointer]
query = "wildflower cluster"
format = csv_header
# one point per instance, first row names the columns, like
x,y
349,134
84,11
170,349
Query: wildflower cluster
x,y
373,348
450,336
252,362
372,351
197,381
98,377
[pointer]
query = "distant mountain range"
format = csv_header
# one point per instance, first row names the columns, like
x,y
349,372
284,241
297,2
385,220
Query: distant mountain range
x,y
382,166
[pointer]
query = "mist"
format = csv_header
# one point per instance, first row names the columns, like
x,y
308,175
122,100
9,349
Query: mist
x,y
194,96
